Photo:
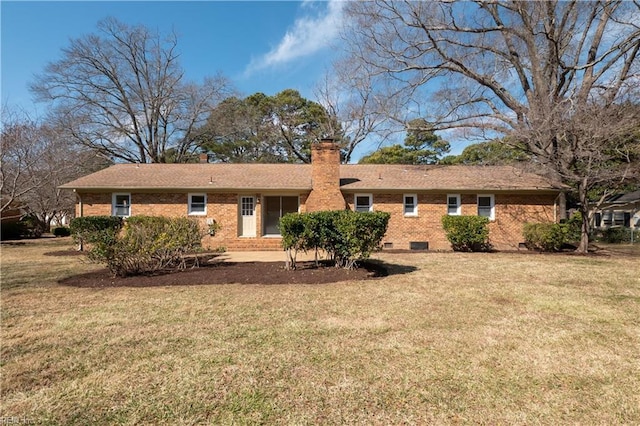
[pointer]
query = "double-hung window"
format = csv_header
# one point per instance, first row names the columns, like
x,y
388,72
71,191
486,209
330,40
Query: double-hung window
x,y
198,204
363,202
410,204
453,205
486,206
121,205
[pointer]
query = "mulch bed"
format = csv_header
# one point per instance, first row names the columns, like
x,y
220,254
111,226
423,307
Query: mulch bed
x,y
65,253
232,272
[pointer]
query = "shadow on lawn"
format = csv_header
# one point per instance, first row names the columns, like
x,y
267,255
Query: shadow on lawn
x,y
263,273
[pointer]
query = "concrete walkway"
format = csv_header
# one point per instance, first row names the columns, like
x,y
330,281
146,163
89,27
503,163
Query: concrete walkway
x,y
262,256
271,256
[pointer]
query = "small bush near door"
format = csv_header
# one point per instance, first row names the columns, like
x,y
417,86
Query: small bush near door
x,y
467,233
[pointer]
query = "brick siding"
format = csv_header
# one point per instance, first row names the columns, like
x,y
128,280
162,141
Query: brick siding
x,y
505,232
511,212
325,178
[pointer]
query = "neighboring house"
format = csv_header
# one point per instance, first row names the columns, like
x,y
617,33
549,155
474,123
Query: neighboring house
x,y
247,200
9,218
619,210
14,211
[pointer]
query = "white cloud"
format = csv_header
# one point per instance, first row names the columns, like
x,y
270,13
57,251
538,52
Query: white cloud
x,y
308,35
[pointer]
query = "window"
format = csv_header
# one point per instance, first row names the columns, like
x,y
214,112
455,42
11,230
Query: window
x,y
410,205
453,205
618,218
486,206
121,205
246,206
198,204
276,207
363,202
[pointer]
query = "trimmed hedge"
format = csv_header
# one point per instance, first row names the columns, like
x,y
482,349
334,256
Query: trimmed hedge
x,y
61,231
346,236
467,233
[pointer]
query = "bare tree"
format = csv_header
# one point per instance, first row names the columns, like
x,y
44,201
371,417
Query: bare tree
x,y
122,92
560,78
20,152
34,160
364,106
60,162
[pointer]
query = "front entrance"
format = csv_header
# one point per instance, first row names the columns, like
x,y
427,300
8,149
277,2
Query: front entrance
x,y
247,216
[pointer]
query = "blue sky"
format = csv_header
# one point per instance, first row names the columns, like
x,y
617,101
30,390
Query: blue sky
x,y
261,46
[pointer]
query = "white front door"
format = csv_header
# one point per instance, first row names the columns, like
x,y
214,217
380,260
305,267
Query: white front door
x,y
247,216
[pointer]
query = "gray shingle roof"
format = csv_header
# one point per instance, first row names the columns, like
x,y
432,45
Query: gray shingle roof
x,y
629,197
353,177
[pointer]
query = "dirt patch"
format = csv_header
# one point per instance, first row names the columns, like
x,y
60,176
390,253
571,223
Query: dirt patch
x,y
233,272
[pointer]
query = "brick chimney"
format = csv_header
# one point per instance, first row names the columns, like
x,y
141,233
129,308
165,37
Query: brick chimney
x,y
204,157
325,178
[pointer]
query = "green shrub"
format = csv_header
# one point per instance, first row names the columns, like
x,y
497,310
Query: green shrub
x,y
552,236
148,244
545,236
292,228
573,228
143,245
61,231
101,230
31,226
346,236
467,233
28,226
361,234
616,235
11,230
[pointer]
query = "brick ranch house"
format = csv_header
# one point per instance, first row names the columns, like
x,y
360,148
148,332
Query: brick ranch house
x,y
247,200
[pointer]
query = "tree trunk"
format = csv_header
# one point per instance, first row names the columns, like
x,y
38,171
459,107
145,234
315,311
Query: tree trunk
x,y
583,247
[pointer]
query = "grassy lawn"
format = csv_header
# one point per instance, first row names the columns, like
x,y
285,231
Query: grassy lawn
x,y
501,338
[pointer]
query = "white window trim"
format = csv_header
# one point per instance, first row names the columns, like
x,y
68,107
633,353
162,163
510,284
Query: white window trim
x,y
415,204
189,204
113,203
458,204
492,216
355,198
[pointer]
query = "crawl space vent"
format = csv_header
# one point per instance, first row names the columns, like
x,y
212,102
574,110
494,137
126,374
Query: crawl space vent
x,y
419,245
